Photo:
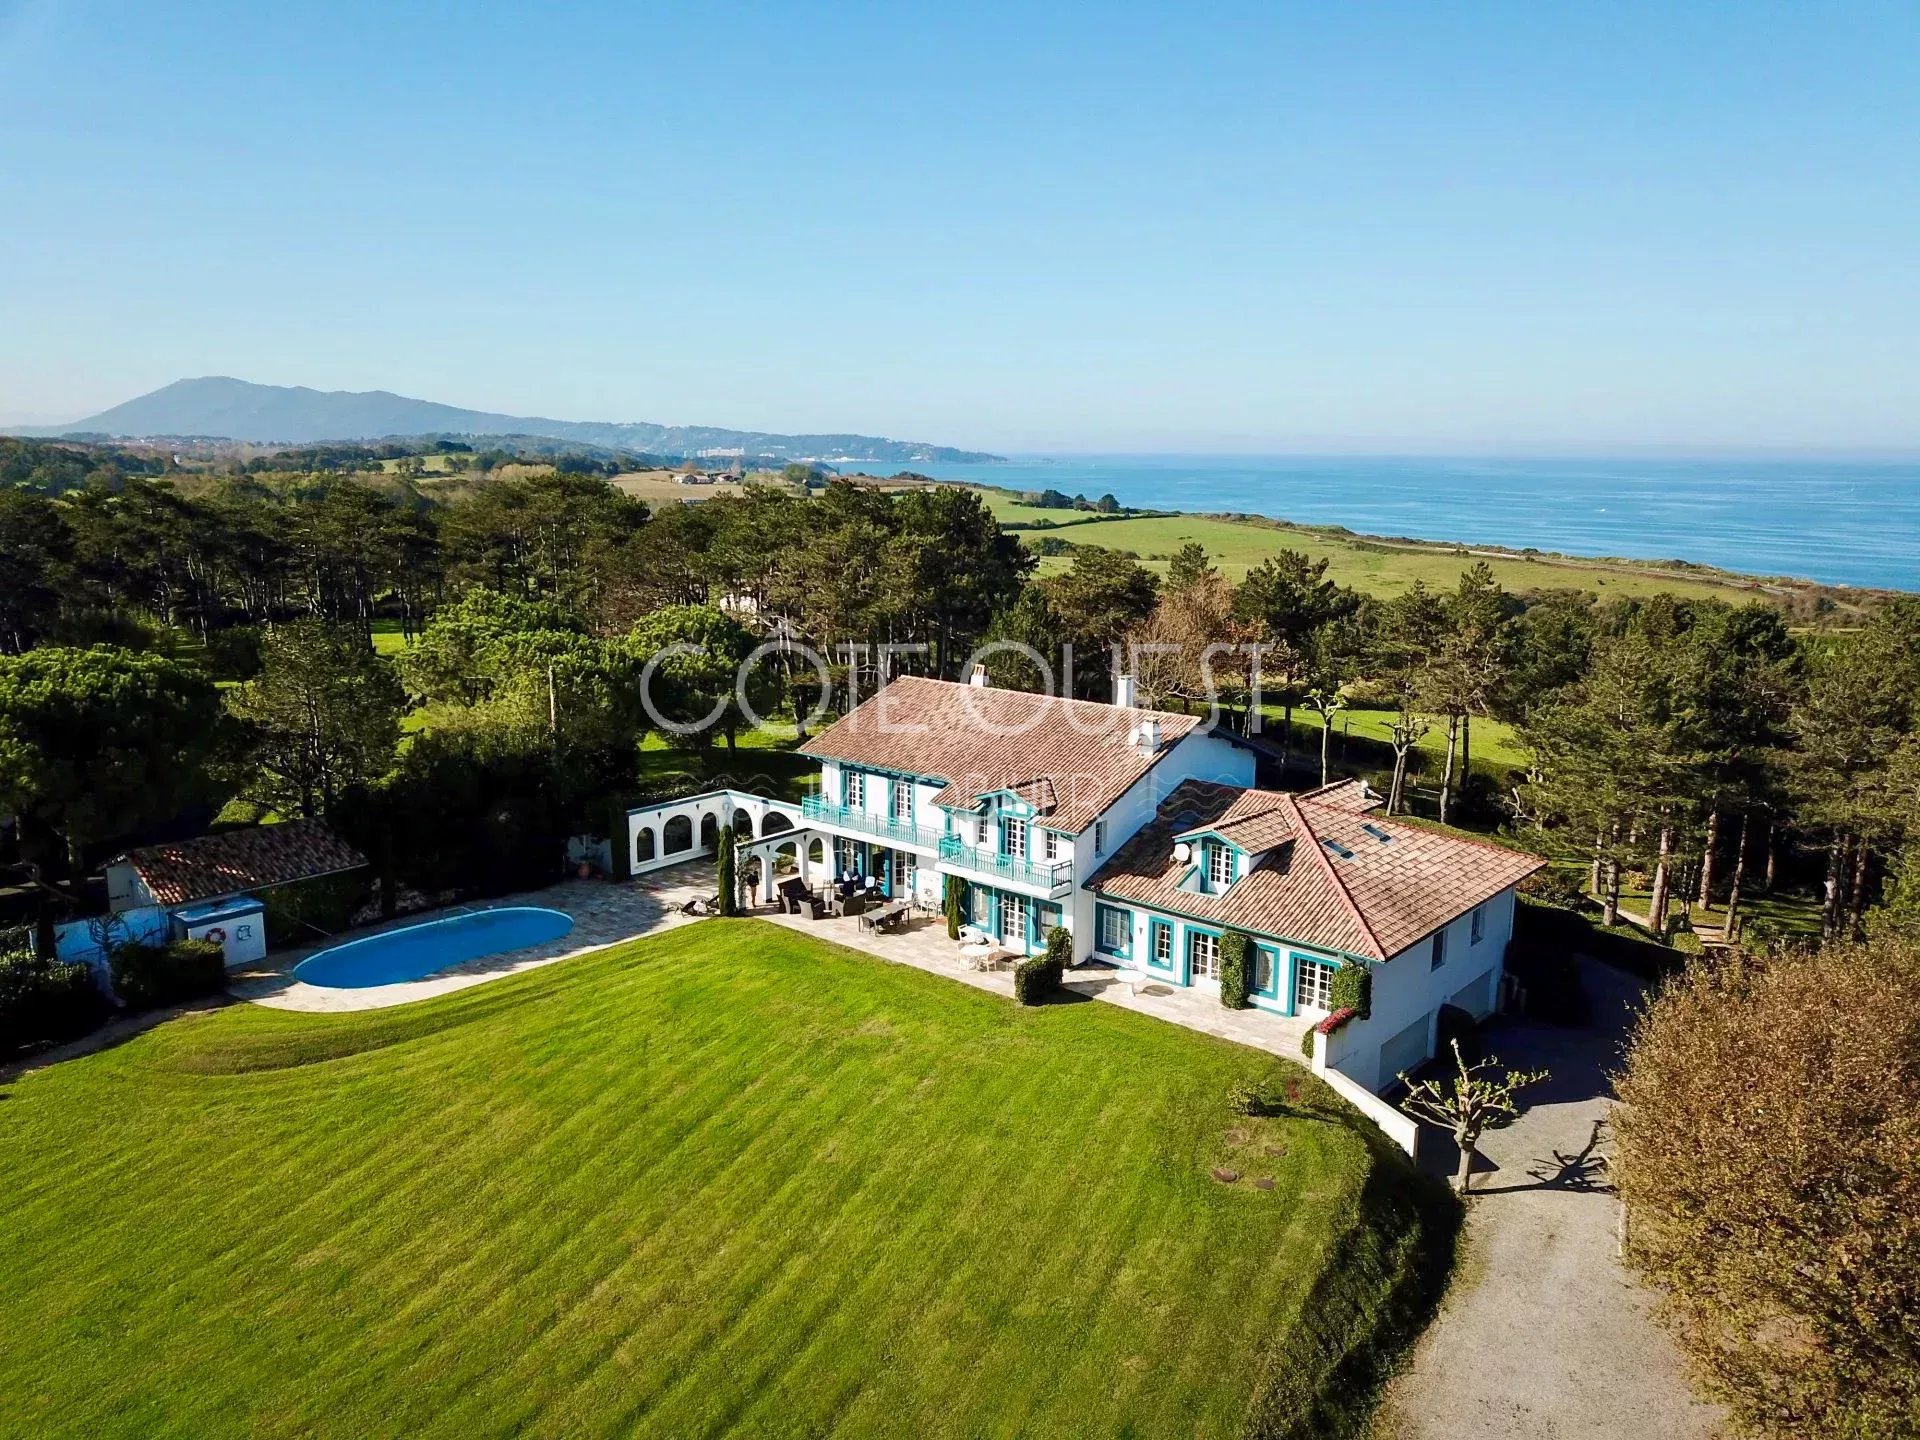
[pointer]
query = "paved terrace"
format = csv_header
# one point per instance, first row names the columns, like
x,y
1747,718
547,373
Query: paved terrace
x,y
922,943
606,914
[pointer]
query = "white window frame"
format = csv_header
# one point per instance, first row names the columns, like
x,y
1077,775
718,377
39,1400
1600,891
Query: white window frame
x,y
1015,905
1162,935
902,800
1013,832
1219,864
1102,913
856,789
1198,941
1049,845
1312,983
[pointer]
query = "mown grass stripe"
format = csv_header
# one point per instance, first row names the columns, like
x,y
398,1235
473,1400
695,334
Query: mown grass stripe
x,y
726,1180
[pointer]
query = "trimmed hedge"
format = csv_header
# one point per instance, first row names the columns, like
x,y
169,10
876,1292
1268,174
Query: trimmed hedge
x,y
1352,989
1037,978
1236,970
45,1001
1306,1042
147,976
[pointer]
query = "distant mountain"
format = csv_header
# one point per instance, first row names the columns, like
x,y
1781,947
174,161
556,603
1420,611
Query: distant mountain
x,y
216,406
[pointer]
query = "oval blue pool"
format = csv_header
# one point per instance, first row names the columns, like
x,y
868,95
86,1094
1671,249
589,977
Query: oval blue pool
x,y
419,950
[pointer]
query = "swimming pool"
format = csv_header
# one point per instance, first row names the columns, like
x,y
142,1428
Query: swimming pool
x,y
419,950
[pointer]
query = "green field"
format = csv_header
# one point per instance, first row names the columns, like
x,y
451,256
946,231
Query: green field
x,y
1374,567
1364,737
729,1180
388,639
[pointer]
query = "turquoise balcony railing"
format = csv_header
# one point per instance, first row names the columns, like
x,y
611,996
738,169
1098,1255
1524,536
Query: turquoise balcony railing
x,y
1055,876
880,827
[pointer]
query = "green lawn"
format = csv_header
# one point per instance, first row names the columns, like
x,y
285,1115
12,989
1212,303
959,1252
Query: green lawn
x,y
729,1180
1368,566
1369,739
388,639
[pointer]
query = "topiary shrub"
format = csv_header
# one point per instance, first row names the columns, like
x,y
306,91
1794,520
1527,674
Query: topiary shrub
x,y
1457,1027
954,903
729,882
1236,970
146,976
1037,978
1352,989
1306,1043
1060,947
45,1001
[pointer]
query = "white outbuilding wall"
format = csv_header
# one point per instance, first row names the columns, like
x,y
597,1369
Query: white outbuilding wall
x,y
671,831
1409,990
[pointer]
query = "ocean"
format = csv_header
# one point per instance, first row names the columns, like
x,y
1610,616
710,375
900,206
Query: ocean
x,y
1840,522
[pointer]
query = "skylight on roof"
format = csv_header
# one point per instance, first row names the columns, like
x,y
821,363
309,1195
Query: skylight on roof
x,y
1337,848
1376,832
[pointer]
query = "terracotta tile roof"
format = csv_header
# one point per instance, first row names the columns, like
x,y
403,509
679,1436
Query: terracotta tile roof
x,y
1072,758
1354,795
240,860
1371,897
1256,821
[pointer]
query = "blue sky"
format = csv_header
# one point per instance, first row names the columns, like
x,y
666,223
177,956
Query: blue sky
x,y
1527,227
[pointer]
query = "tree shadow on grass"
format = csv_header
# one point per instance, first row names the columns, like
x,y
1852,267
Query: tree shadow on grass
x,y
117,1031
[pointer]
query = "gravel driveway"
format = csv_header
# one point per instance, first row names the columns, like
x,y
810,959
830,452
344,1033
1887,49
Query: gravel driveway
x,y
1543,1334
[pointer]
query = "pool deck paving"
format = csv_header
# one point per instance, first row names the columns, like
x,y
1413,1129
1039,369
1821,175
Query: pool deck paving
x,y
603,914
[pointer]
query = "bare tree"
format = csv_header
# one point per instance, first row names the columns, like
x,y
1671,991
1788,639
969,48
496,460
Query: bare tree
x,y
1472,1100
1326,703
1407,731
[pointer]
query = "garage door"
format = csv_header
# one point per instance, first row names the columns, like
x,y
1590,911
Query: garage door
x,y
1473,997
1404,1051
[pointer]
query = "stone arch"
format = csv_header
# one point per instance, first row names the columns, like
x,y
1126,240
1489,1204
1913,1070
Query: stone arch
x,y
709,831
643,844
676,835
743,824
775,823
817,851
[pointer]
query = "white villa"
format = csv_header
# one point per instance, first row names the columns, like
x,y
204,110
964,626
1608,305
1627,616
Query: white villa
x,y
1142,834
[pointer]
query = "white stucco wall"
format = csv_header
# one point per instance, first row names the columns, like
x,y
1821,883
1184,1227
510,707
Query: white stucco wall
x,y
1408,991
1194,756
720,806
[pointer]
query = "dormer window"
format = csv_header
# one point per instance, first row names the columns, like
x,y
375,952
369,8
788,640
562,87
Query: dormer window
x,y
1219,865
